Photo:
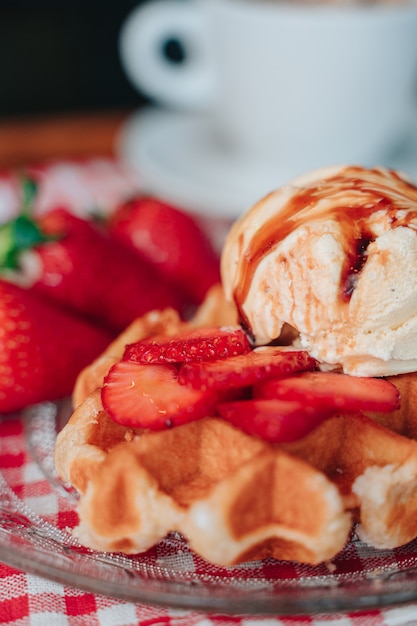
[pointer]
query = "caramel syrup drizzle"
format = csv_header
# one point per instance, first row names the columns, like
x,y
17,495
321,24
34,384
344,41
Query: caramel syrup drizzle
x,y
350,197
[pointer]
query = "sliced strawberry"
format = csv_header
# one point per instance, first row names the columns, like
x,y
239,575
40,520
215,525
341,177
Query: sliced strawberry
x,y
245,369
193,345
277,421
337,391
149,396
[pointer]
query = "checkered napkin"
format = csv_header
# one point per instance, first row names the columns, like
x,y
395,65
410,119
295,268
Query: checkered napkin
x,y
27,600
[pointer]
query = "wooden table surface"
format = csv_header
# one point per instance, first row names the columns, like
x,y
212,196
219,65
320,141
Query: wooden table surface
x,y
60,136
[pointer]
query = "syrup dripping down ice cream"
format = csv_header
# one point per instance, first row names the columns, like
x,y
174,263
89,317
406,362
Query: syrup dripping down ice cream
x,y
333,254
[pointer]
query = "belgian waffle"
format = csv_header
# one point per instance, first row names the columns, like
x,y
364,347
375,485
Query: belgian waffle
x,y
232,496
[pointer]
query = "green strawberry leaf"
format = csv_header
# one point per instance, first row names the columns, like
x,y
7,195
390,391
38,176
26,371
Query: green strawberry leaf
x,y
21,233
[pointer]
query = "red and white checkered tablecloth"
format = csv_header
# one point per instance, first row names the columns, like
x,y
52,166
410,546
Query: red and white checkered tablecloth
x,y
27,600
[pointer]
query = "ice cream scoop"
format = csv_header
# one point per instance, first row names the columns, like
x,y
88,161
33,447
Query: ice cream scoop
x,y
333,254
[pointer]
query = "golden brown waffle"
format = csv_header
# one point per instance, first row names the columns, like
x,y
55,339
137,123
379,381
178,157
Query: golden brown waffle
x,y
375,470
232,496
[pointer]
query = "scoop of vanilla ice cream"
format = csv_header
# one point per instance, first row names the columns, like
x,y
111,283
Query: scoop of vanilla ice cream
x,y
334,255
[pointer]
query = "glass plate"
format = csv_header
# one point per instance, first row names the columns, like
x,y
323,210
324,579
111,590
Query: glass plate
x,y
37,512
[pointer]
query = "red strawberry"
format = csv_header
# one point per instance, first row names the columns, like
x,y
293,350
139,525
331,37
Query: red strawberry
x,y
339,392
277,421
192,345
72,262
42,348
172,240
149,396
245,369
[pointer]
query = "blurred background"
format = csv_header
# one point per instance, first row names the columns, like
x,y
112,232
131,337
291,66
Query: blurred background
x,y
63,91
64,94
62,56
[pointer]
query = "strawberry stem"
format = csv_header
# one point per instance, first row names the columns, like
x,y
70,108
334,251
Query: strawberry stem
x,y
16,236
21,233
29,191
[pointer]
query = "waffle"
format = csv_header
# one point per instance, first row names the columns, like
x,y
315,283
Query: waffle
x,y
234,497
231,495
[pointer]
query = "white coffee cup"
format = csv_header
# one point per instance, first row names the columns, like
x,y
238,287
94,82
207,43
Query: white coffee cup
x,y
298,85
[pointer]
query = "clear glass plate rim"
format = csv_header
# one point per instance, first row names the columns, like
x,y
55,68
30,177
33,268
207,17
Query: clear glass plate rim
x,y
387,590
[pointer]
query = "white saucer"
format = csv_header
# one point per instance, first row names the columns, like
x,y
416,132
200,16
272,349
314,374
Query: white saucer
x,y
178,158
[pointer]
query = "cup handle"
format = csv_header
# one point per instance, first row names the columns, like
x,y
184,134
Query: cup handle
x,y
188,84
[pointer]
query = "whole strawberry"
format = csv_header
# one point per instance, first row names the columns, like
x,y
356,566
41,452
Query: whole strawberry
x,y
172,240
96,275
72,261
42,348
